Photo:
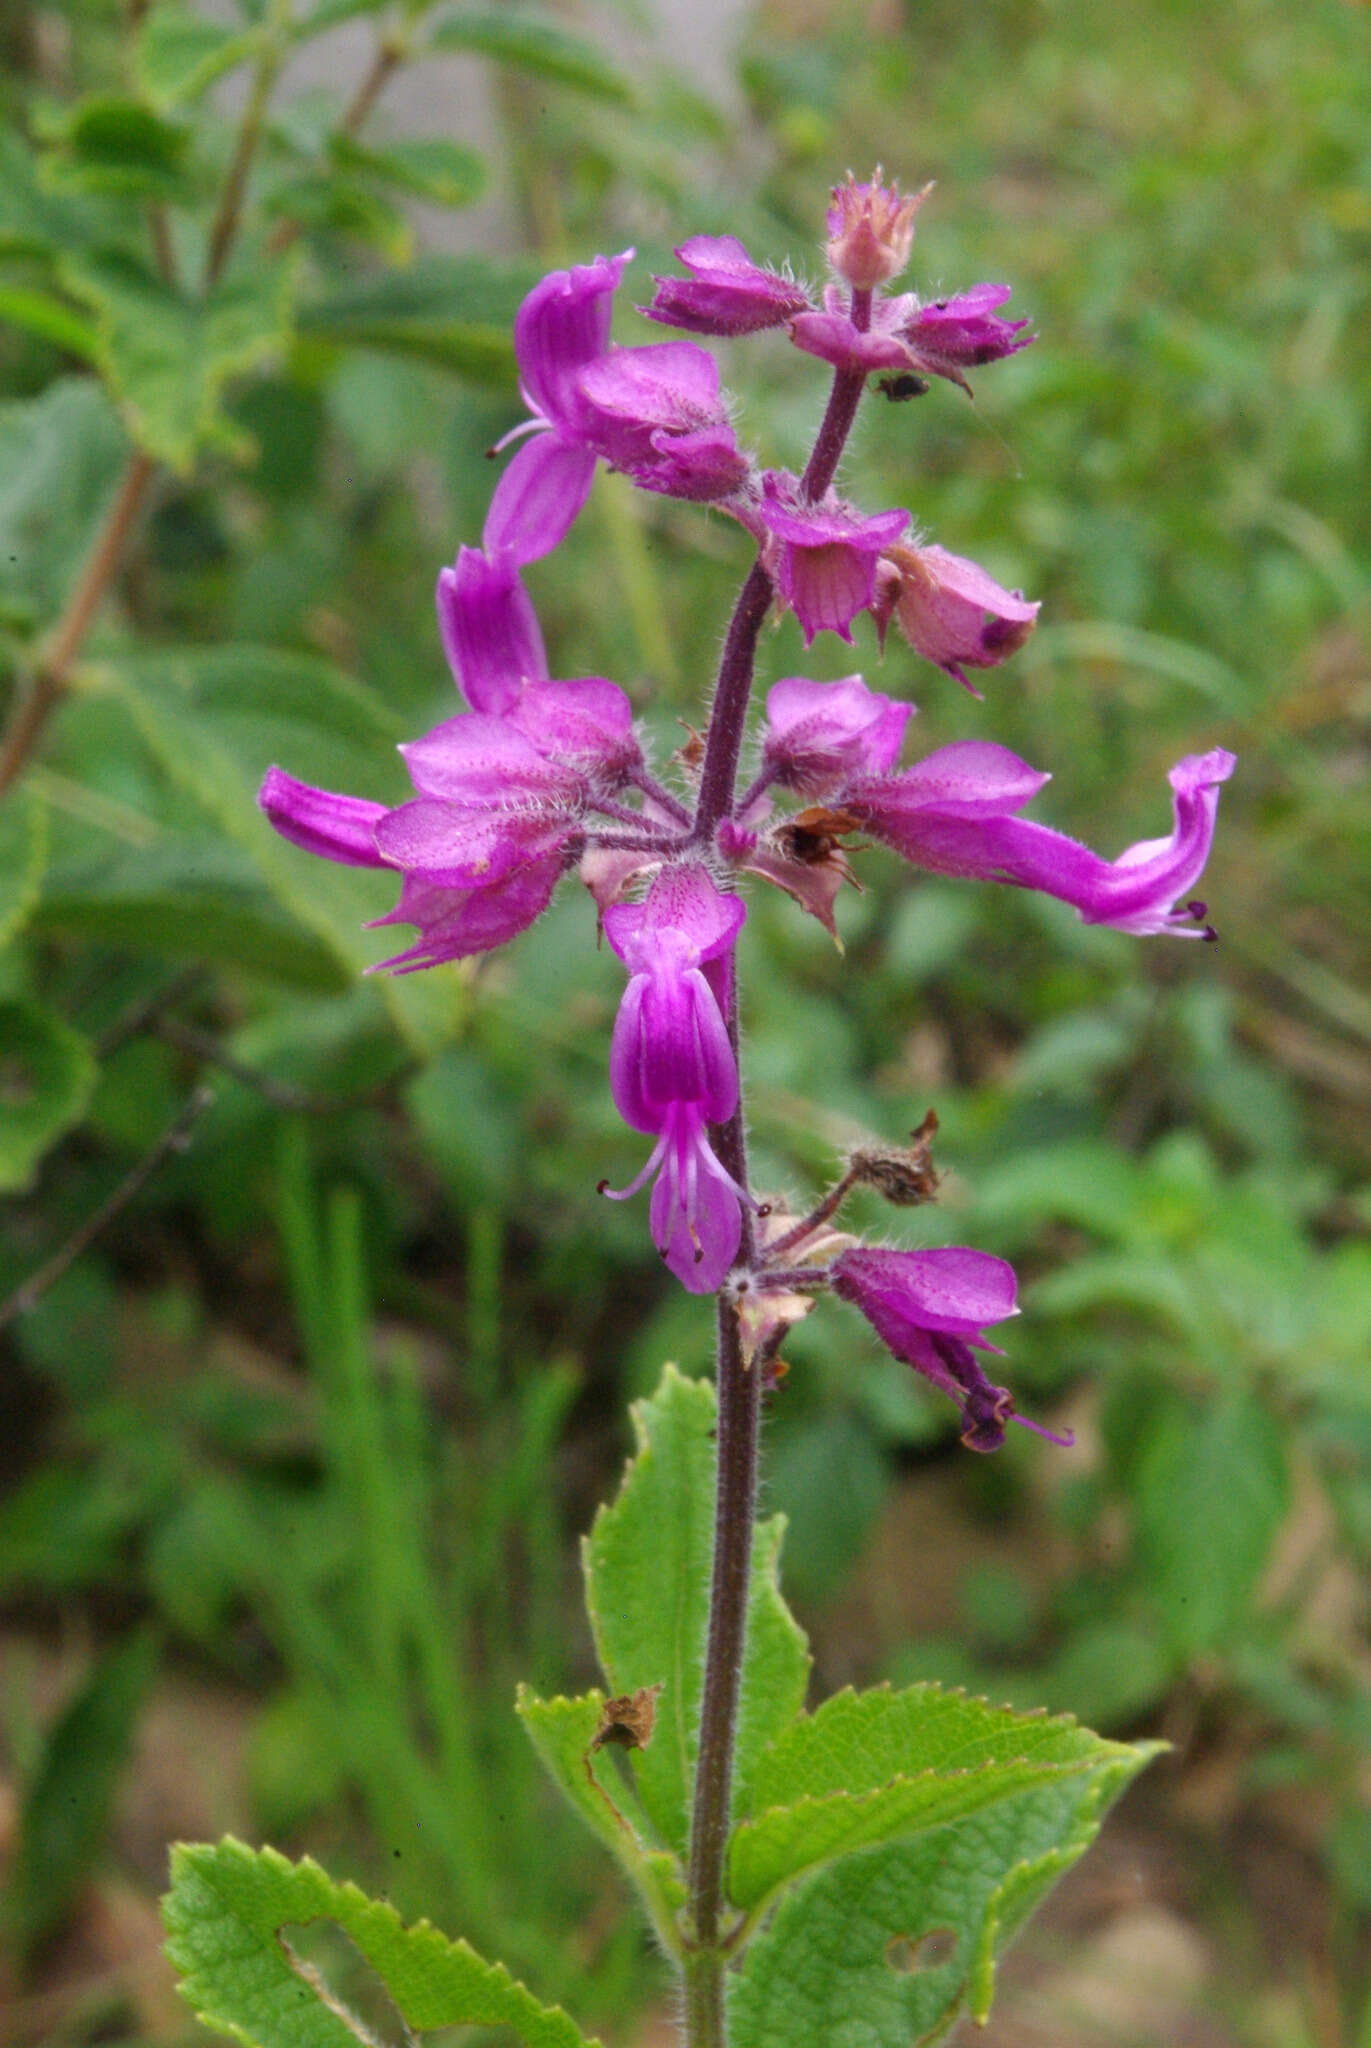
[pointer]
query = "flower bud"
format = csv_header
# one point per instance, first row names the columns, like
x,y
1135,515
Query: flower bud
x,y
871,230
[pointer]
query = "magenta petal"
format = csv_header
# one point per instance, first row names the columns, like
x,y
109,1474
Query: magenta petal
x,y
833,338
954,1290
662,384
482,760
1137,892
816,733
561,326
684,899
538,497
703,466
341,828
969,779
489,630
727,292
695,1216
455,923
588,721
455,845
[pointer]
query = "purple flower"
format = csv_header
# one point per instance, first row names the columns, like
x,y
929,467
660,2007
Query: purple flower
x,y
834,337
931,1309
341,828
826,554
474,875
948,336
560,329
494,823
489,630
819,733
938,340
951,611
658,414
671,1065
954,814
473,879
586,724
726,292
654,412
871,230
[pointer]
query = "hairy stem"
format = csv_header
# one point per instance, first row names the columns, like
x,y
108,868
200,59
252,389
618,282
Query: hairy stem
x,y
735,1513
843,400
728,717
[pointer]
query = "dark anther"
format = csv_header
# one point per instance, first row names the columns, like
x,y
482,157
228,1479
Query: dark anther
x,y
1197,909
601,1185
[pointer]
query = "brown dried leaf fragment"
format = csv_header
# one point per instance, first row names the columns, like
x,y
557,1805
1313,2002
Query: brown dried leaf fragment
x,y
627,1720
903,1175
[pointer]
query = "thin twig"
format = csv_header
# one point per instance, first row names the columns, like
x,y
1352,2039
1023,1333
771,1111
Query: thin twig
x,y
174,1138
49,682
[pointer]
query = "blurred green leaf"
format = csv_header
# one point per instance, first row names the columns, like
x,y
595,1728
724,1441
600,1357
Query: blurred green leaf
x,y
179,53
189,899
434,169
41,313
330,204
537,43
122,148
167,358
47,1072
454,311
226,1916
66,1805
60,459
35,221
1213,1484
23,859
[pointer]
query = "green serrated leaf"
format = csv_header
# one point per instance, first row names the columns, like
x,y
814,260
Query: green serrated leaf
x,y
66,1806
23,858
225,1915
455,312
859,1741
432,169
536,43
47,1072
860,1951
61,455
122,148
868,1767
179,53
562,1732
167,358
647,1566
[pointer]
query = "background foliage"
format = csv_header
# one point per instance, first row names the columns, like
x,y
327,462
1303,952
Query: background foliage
x,y
302,1436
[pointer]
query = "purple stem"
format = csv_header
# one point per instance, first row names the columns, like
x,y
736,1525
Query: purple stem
x,y
843,401
643,779
739,1390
